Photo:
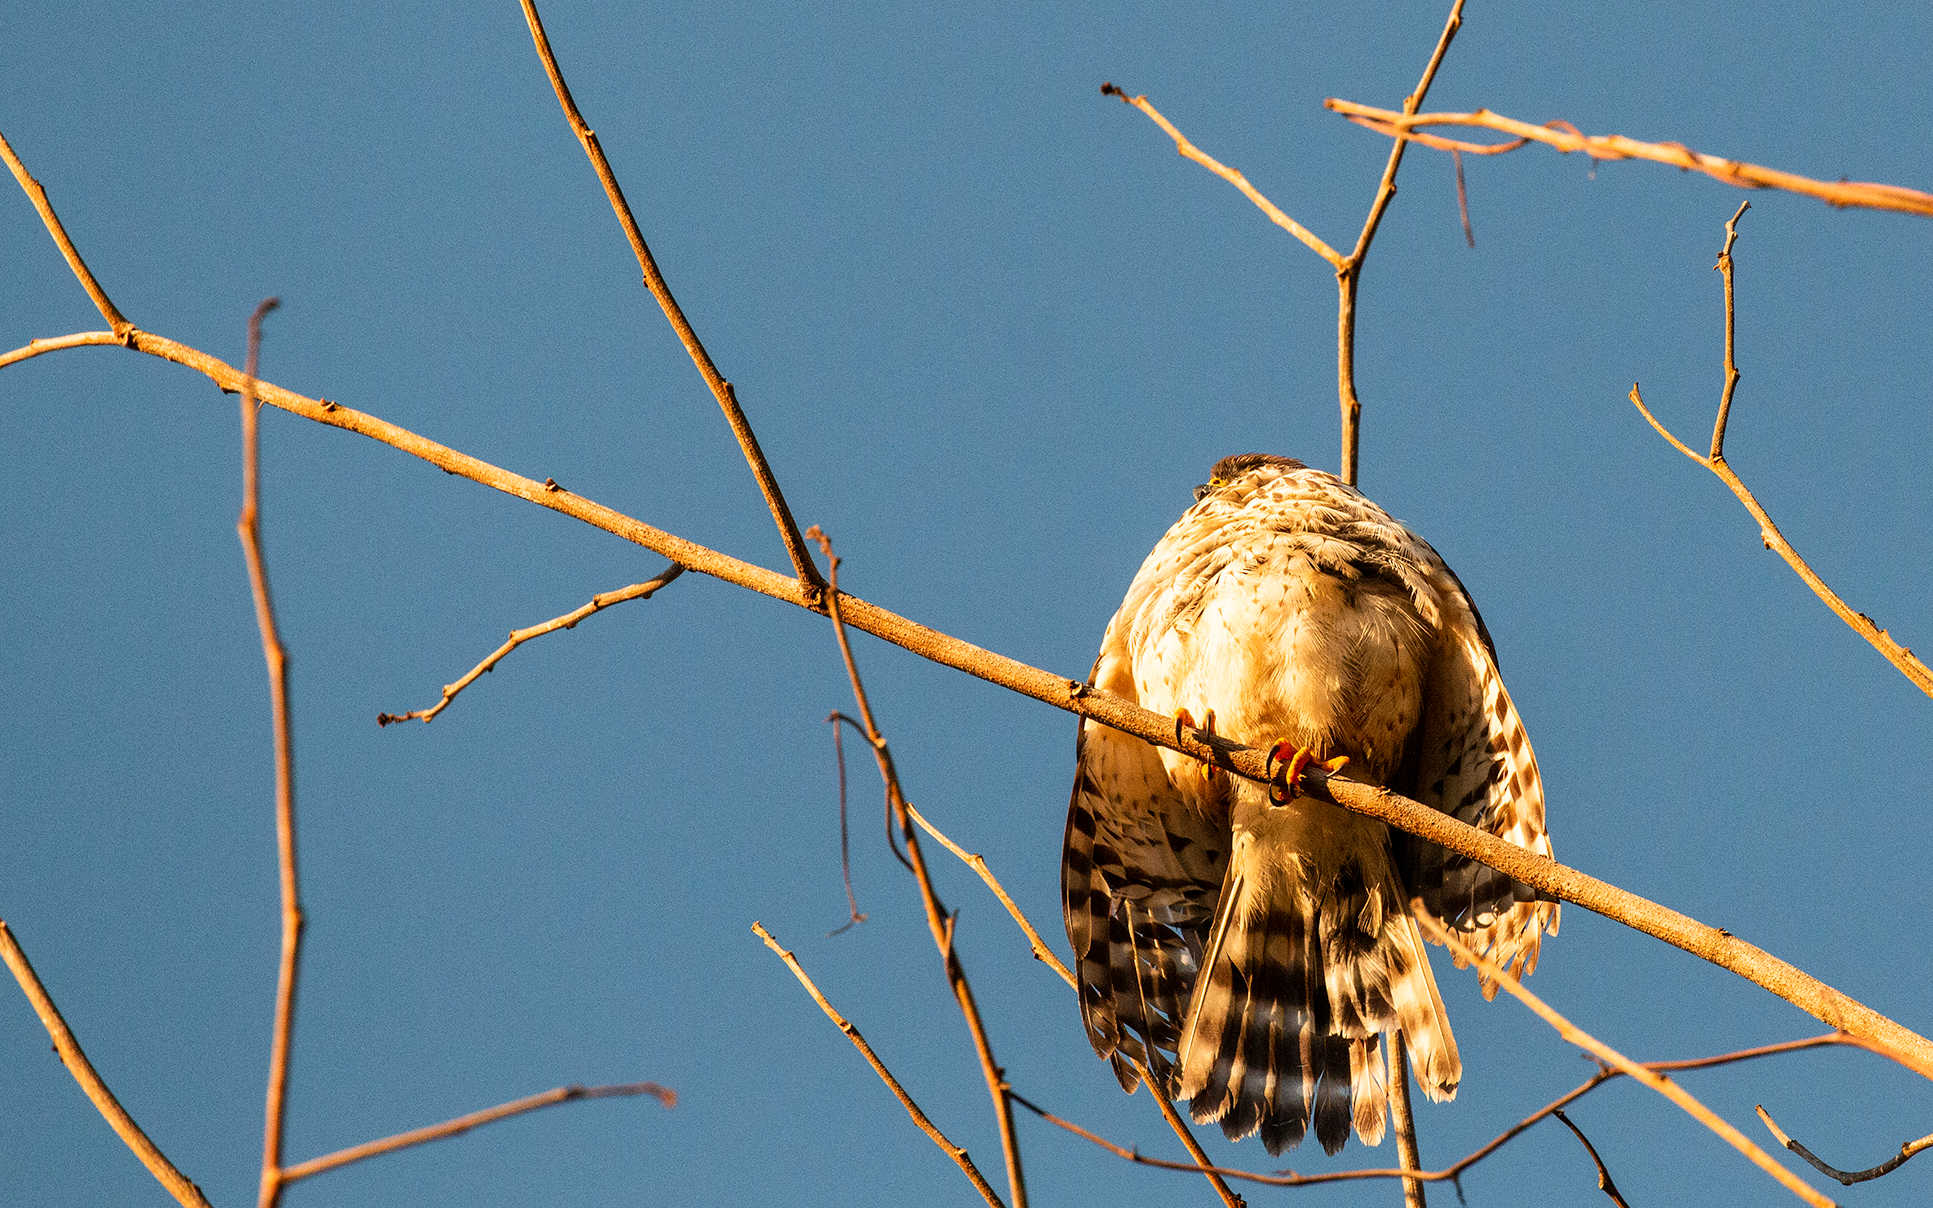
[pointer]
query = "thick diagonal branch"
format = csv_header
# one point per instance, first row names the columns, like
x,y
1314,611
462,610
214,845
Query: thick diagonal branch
x,y
1720,947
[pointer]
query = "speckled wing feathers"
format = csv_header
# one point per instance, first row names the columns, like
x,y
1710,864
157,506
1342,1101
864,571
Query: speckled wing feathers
x,y
1267,947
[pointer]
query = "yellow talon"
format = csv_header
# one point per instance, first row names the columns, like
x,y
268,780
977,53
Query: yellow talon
x,y
1286,781
1185,718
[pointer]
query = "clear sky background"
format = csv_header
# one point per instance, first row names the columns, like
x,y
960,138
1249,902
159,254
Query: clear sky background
x,y
990,329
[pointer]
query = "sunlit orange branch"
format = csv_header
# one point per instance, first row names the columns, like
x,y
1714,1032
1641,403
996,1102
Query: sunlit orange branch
x,y
463,1124
1861,624
1567,138
919,1117
598,603
1348,268
179,1185
768,483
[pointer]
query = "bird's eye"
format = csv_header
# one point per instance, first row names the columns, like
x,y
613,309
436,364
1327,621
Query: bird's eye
x,y
1215,482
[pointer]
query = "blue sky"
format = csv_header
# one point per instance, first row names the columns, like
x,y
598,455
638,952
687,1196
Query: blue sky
x,y
990,330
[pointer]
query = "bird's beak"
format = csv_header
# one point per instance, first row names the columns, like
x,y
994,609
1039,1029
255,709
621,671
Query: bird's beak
x,y
1200,490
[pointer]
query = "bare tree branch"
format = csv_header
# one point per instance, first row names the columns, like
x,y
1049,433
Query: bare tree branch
x,y
1188,150
1604,1180
1863,625
1437,933
1454,1172
937,918
463,1124
885,1075
78,340
721,389
1847,1178
179,1185
1348,268
250,530
1349,277
599,602
1407,127
52,222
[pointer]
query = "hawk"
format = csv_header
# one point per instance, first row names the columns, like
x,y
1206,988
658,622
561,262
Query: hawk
x,y
1246,944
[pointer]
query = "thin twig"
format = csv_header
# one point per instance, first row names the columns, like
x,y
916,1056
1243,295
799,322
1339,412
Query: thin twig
x,y
845,841
1041,951
1437,933
938,920
1882,641
1463,200
1604,1181
768,483
599,602
78,340
463,1124
1188,150
1847,1177
1407,126
38,195
885,1075
1349,274
249,528
1708,943
179,1185
1403,1120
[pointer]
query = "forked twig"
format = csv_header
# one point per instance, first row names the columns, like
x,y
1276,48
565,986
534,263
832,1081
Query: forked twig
x,y
179,1185
1407,127
1604,1181
599,602
250,530
768,484
1348,268
1847,1177
1437,933
926,1125
463,1124
938,920
1863,625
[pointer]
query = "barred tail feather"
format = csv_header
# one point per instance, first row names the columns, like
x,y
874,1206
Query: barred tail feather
x,y
1296,986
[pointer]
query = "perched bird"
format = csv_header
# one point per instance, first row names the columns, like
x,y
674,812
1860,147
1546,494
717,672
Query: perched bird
x,y
1259,936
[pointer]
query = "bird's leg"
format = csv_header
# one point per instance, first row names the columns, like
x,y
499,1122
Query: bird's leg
x,y
1185,718
1287,762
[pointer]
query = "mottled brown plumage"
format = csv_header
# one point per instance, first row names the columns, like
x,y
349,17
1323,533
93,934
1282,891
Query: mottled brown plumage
x,y
1251,953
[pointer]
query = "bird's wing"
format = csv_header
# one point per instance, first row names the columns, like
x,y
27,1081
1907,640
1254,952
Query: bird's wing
x,y
1141,870
1473,761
